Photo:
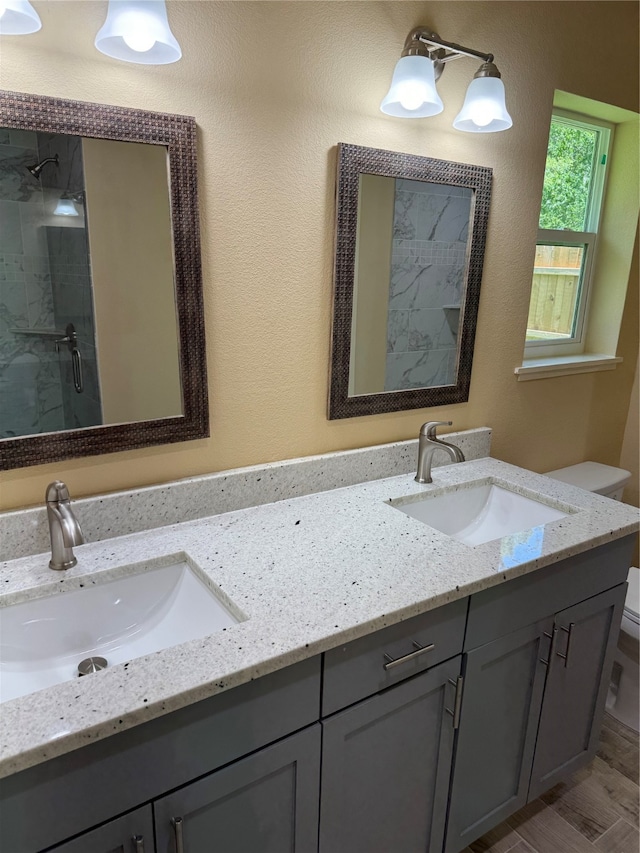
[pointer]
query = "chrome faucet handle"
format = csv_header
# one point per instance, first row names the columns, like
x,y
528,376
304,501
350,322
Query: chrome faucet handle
x,y
429,429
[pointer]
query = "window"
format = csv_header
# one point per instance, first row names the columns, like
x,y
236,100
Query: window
x,y
574,179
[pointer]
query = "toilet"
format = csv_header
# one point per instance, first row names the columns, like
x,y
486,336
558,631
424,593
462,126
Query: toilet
x,y
623,701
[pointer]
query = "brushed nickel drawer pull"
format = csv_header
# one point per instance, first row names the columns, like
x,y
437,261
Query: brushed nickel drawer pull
x,y
138,841
552,637
568,632
420,650
177,828
458,701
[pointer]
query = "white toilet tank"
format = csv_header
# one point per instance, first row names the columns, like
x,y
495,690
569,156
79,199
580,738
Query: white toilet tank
x,y
594,477
610,482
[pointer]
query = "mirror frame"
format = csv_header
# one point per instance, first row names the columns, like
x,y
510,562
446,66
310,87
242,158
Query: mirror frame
x,y
354,160
178,134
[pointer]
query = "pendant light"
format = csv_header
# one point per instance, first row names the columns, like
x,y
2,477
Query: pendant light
x,y
484,109
138,31
413,92
65,206
18,18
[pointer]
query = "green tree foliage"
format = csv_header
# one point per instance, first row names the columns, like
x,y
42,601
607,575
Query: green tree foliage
x,y
567,177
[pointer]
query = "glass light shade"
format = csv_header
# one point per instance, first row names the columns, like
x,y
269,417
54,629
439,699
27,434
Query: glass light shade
x,y
138,31
18,18
65,207
484,109
413,92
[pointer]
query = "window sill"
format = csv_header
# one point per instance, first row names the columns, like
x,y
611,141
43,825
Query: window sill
x,y
565,365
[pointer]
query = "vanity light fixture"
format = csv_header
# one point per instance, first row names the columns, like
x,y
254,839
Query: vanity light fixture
x,y
18,18
413,92
138,31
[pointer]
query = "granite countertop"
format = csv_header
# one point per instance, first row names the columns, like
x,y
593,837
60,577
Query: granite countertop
x,y
310,573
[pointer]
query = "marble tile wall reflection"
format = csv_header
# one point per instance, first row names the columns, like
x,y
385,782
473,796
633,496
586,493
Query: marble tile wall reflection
x,y
30,389
73,303
34,394
430,232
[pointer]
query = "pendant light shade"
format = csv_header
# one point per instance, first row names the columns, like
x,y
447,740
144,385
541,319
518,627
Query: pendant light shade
x,y
413,92
138,31
18,18
65,206
484,109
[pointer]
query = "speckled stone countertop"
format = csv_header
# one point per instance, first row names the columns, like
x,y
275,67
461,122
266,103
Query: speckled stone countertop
x,y
25,531
310,573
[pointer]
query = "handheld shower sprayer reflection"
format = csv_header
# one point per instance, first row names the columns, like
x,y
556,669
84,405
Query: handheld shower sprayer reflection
x,y
38,167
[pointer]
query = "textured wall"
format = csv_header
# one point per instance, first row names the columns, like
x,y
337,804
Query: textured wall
x,y
630,453
376,198
128,208
629,458
274,86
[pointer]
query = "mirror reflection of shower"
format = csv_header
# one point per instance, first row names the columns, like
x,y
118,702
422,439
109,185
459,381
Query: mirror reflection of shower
x,y
37,168
46,386
71,341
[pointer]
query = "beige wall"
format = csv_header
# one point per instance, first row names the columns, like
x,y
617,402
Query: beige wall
x,y
129,222
274,86
630,453
629,457
376,200
617,231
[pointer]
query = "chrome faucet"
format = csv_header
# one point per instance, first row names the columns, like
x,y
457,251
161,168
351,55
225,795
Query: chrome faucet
x,y
428,443
64,528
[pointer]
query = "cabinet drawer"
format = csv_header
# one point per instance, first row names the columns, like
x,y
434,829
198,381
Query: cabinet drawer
x,y
368,665
522,601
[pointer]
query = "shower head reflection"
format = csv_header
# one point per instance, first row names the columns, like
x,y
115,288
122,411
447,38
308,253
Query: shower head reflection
x,y
37,168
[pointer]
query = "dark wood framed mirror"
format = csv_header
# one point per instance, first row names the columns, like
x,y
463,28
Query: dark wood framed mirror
x,y
410,239
102,341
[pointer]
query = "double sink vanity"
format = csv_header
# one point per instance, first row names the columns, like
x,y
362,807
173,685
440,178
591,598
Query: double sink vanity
x,y
385,666
320,655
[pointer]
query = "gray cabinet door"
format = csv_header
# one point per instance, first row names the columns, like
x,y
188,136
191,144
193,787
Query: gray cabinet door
x,y
131,833
84,788
265,803
386,764
503,687
576,688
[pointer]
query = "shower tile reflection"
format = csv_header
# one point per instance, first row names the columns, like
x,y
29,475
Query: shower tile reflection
x,y
45,283
430,233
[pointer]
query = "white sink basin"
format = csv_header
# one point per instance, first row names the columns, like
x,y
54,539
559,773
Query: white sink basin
x,y
479,513
42,642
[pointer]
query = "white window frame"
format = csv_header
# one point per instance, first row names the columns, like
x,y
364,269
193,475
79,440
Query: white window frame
x,y
588,238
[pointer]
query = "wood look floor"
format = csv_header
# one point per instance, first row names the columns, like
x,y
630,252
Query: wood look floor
x,y
596,812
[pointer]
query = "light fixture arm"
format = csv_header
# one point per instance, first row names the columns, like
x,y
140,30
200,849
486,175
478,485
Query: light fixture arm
x,y
424,42
457,50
